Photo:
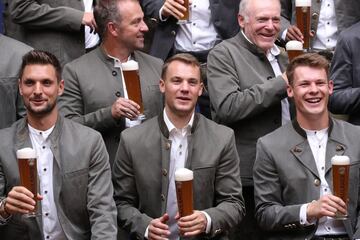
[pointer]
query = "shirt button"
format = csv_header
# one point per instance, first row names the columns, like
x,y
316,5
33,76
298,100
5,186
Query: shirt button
x,y
44,169
46,214
194,24
118,94
328,23
45,192
114,73
47,237
43,147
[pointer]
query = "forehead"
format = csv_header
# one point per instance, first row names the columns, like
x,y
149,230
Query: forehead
x,y
184,70
39,71
306,73
269,8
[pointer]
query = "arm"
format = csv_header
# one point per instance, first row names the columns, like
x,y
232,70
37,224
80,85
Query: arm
x,y
71,104
229,207
126,194
346,96
32,14
231,102
100,203
151,7
270,211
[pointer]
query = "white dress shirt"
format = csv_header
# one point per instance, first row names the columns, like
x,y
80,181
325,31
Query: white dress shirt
x,y
326,34
327,225
45,158
91,39
199,34
178,156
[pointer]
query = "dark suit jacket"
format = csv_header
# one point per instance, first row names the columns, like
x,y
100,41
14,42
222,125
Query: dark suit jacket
x,y
223,15
11,105
345,72
245,95
346,11
54,26
140,175
285,177
92,85
82,182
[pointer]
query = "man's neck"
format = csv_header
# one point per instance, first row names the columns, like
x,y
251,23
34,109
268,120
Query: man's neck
x,y
179,121
113,49
42,123
317,123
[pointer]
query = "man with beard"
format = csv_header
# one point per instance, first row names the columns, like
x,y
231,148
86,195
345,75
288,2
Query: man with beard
x,y
75,187
95,93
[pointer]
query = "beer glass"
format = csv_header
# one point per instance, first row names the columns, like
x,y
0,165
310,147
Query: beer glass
x,y
28,173
340,171
184,191
185,19
132,81
303,19
294,49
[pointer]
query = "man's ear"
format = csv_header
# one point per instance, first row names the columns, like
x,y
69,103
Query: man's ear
x,y
162,86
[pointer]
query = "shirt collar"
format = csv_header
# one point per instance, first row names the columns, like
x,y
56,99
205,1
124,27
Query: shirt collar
x,y
44,134
170,126
274,51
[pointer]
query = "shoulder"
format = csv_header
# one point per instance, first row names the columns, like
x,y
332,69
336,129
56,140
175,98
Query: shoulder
x,y
78,131
213,131
146,58
84,61
350,33
280,137
16,47
143,132
345,130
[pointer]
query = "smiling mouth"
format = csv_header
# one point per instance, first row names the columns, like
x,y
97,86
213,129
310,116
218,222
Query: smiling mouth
x,y
313,100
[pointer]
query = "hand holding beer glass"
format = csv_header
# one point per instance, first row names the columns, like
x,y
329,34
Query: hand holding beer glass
x,y
185,19
340,171
294,49
184,191
303,19
132,81
28,173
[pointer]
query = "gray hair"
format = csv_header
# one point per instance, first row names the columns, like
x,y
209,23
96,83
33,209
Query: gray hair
x,y
244,8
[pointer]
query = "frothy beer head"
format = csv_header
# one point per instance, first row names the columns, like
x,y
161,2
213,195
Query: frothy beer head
x,y
25,153
183,174
294,46
340,160
303,3
130,66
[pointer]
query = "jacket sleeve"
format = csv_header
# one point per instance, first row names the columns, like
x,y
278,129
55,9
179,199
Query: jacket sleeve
x,y
32,14
151,8
71,104
100,202
231,102
286,15
229,207
270,211
346,96
126,193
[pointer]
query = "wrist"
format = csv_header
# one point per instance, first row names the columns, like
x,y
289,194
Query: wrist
x,y
4,214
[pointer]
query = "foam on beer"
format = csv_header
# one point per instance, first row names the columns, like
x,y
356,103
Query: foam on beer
x,y
340,160
303,3
26,153
294,45
183,174
130,65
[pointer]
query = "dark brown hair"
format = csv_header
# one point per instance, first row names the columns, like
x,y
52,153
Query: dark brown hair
x,y
313,60
39,57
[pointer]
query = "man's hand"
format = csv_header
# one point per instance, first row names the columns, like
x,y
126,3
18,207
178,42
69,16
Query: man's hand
x,y
173,8
158,229
20,200
294,33
327,205
193,224
123,107
89,20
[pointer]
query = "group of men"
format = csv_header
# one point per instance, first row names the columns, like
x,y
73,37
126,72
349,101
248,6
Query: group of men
x,y
272,157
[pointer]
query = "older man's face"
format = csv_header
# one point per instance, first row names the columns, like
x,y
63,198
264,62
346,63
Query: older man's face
x,y
262,24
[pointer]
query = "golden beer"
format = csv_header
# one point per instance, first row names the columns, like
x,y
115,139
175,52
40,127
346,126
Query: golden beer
x,y
132,81
28,172
303,19
184,191
340,171
294,49
185,18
